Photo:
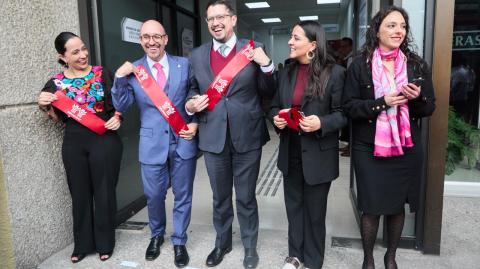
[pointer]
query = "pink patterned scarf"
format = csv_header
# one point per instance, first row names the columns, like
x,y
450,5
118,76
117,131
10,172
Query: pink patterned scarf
x,y
393,125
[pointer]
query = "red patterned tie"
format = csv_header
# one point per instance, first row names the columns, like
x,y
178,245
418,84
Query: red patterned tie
x,y
161,78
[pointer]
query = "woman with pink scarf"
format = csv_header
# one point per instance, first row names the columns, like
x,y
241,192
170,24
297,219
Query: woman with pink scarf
x,y
387,91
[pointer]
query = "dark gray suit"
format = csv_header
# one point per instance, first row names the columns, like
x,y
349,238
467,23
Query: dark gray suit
x,y
231,137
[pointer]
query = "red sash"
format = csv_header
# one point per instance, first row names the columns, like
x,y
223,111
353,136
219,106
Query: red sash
x,y
221,82
292,116
160,100
76,112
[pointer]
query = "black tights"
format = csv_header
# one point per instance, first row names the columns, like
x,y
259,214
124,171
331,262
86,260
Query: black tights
x,y
369,228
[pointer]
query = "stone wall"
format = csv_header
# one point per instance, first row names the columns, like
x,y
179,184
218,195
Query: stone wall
x,y
37,198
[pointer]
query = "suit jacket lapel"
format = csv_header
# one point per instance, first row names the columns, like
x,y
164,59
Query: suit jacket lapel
x,y
174,77
205,54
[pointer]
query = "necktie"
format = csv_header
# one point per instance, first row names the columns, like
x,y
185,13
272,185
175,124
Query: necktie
x,y
223,50
161,78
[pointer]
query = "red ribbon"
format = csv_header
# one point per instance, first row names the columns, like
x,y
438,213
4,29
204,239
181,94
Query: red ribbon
x,y
160,100
220,84
292,116
81,115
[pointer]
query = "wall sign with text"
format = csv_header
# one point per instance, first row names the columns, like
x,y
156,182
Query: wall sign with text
x,y
131,30
466,40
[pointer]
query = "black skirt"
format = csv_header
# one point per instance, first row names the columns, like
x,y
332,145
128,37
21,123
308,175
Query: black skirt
x,y
384,185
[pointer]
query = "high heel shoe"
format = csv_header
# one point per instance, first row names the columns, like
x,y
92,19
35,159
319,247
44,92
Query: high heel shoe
x,y
78,256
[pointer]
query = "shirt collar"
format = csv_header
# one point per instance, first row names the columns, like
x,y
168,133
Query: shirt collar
x,y
230,43
163,61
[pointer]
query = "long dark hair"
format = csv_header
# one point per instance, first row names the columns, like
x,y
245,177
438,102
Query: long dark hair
x,y
60,42
371,40
321,65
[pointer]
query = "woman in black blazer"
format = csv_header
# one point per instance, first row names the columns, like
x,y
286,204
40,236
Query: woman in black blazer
x,y
308,156
386,134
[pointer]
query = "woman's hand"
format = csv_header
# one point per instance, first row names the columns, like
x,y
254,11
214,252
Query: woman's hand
x,y
46,98
279,122
113,123
394,99
190,133
310,124
411,91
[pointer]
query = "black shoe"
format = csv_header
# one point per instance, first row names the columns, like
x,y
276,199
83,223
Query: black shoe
x,y
181,256
153,249
216,256
251,258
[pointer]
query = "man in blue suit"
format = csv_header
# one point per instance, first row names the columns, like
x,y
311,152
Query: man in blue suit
x,y
166,158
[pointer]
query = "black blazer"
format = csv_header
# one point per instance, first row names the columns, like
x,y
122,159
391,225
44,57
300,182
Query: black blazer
x,y
320,148
362,108
240,106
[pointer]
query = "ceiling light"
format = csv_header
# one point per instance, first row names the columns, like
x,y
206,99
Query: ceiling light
x,y
270,20
257,5
308,18
319,2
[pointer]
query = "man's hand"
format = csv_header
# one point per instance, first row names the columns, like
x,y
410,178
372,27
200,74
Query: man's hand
x,y
126,69
197,103
190,133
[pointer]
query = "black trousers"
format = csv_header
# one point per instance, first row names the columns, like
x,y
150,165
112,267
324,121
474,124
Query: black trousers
x,y
306,211
92,164
227,169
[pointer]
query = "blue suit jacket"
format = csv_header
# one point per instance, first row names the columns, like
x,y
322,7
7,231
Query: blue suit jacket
x,y
155,131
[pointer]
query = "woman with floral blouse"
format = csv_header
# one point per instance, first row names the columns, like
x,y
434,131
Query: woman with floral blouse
x,y
91,161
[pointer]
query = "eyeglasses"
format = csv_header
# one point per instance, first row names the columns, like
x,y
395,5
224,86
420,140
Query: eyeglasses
x,y
219,18
156,38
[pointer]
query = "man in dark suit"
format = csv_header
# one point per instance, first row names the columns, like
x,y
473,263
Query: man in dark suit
x,y
233,133
166,158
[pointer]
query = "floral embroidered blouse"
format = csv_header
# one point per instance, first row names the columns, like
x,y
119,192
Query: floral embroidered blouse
x,y
91,92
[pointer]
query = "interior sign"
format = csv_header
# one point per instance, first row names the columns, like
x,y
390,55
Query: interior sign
x,y
466,40
131,30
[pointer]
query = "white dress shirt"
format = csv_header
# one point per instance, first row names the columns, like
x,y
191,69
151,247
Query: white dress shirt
x,y
231,43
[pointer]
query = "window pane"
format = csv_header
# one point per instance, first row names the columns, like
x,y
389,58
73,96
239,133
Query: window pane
x,y
186,33
463,132
187,4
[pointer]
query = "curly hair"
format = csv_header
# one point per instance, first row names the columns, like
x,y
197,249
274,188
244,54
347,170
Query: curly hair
x,y
371,39
322,63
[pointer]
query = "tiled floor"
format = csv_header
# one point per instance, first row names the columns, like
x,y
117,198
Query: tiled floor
x,y
340,218
460,237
